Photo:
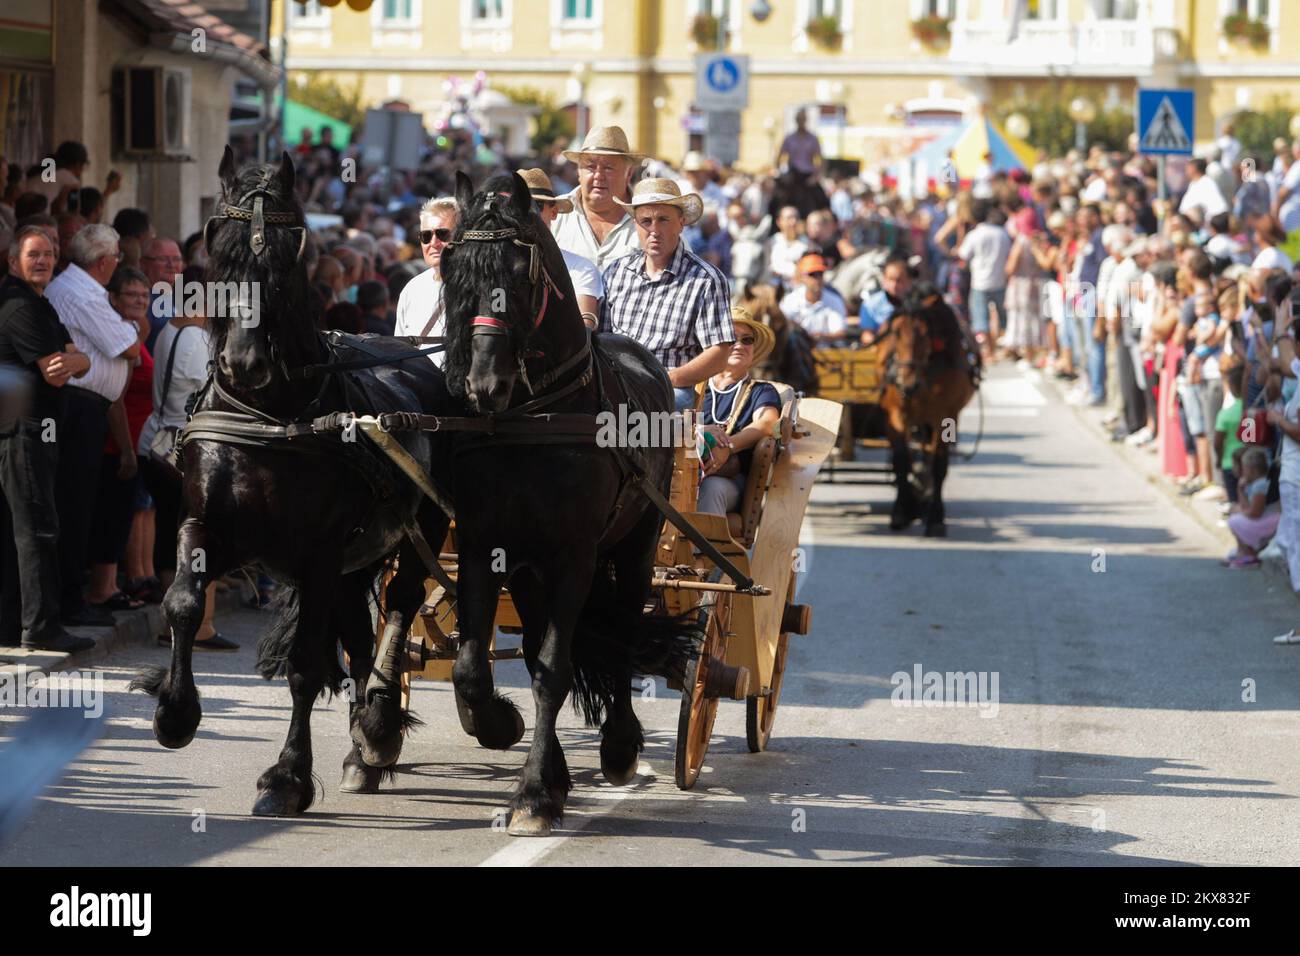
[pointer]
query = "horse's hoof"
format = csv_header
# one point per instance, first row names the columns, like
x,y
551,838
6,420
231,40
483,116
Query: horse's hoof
x,y
381,747
525,824
619,768
936,531
174,729
499,724
276,803
360,779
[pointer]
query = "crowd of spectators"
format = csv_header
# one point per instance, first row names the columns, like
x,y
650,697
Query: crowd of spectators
x,y
1175,318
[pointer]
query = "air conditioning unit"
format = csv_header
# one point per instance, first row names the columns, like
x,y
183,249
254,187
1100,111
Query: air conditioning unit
x,y
151,106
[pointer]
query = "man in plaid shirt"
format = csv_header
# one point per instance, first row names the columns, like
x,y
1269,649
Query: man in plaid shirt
x,y
665,296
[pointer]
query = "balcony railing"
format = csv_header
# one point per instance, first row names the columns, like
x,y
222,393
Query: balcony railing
x,y
1093,45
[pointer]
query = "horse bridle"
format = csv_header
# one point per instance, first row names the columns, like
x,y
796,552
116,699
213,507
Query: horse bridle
x,y
491,325
257,218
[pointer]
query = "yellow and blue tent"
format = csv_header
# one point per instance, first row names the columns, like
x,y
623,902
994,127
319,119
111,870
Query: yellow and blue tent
x,y
965,145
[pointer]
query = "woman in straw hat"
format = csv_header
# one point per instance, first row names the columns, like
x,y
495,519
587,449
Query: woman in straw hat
x,y
587,283
738,410
597,227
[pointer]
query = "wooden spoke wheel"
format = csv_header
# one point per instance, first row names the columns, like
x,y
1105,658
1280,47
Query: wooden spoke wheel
x,y
699,701
760,709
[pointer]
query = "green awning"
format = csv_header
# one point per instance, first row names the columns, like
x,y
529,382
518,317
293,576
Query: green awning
x,y
298,116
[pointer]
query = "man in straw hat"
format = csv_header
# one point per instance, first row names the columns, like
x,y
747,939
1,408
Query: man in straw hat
x,y
587,283
738,410
597,227
665,296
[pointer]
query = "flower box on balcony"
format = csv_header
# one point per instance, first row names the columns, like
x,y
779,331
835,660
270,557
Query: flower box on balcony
x,y
825,32
1239,27
704,31
932,30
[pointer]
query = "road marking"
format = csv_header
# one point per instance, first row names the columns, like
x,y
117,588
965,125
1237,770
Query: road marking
x,y
1001,392
524,851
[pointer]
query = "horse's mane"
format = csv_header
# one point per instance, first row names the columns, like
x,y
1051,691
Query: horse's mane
x,y
472,271
280,274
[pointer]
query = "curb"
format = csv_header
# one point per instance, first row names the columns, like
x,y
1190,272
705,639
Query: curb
x,y
131,629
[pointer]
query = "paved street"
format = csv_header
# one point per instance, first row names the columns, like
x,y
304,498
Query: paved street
x,y
1120,734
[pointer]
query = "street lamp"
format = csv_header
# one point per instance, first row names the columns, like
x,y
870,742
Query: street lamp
x,y
581,74
1082,112
1018,125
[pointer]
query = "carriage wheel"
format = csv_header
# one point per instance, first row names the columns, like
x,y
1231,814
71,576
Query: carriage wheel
x,y
699,704
760,711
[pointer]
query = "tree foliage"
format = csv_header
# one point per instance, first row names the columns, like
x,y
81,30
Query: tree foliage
x,y
329,96
1052,130
550,123
1256,129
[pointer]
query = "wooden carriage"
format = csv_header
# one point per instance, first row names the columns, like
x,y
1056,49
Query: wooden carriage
x,y
853,377
746,640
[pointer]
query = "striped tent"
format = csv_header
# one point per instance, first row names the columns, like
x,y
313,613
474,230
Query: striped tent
x,y
965,145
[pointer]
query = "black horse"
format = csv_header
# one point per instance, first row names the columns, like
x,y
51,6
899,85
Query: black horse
x,y
803,192
322,510
576,535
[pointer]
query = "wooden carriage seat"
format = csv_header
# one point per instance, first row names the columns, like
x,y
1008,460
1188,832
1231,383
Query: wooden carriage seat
x,y
744,523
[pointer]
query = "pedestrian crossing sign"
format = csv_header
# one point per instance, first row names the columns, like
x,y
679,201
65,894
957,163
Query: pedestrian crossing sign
x,y
1166,122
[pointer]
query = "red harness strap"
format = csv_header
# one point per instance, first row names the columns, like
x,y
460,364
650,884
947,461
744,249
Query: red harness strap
x,y
495,323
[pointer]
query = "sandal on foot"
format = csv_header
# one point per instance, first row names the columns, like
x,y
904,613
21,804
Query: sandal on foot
x,y
216,643
119,602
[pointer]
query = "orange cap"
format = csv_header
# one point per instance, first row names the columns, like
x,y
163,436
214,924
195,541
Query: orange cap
x,y
811,262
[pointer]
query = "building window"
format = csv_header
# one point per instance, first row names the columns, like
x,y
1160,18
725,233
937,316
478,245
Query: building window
x,y
1044,9
1254,9
309,14
1117,9
936,8
579,9
400,11
827,8
488,11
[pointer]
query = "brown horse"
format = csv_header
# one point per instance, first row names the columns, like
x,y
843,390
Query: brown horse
x,y
928,379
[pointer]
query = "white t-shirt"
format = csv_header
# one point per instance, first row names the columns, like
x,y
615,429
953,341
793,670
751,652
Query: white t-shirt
x,y
1290,447
420,301
189,372
986,249
783,255
1290,211
585,276
825,316
1271,257
1204,193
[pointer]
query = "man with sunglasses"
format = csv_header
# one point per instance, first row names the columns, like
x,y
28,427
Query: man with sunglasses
x,y
813,305
421,310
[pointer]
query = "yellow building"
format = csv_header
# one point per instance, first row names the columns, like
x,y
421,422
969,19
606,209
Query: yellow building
x,y
866,70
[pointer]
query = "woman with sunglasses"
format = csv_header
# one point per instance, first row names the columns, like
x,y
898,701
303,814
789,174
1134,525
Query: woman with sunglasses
x,y
737,411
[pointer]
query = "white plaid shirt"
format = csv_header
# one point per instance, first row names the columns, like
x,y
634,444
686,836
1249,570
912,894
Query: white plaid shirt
x,y
676,316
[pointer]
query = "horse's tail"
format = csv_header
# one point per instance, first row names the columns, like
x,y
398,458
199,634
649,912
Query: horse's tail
x,y
277,644
612,643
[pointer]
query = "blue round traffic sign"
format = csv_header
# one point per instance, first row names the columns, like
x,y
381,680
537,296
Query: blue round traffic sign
x,y
722,76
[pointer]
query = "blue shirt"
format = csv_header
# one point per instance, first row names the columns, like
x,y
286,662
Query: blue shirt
x,y
717,407
876,311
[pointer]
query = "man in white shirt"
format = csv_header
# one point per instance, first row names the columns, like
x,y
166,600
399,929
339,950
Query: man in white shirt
x,y
1286,206
588,285
985,249
816,307
598,228
113,345
421,311
1202,191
